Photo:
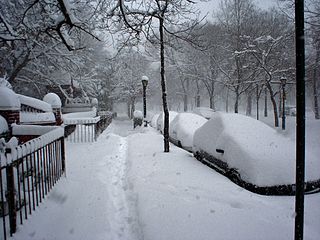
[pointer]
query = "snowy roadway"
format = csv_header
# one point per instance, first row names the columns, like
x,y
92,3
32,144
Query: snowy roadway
x,y
125,187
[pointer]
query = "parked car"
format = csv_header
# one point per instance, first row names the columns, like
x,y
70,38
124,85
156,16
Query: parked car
x,y
160,120
154,119
252,154
290,110
204,112
182,129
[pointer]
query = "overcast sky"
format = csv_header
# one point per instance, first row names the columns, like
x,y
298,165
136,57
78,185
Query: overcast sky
x,y
212,5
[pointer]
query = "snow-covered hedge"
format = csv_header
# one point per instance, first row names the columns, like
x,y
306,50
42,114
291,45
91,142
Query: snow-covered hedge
x,y
261,155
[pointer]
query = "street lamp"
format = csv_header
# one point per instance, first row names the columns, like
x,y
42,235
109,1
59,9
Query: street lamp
x,y
283,82
144,81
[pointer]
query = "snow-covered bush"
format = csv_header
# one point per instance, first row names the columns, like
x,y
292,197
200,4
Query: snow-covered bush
x,y
137,114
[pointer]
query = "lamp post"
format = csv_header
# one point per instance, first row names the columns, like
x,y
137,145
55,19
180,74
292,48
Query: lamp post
x,y
283,82
144,81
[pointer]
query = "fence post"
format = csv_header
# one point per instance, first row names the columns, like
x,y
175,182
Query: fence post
x,y
11,199
63,159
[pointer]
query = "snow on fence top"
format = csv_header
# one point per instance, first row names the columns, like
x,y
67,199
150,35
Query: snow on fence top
x,y
32,130
30,146
53,99
71,121
88,114
35,103
9,99
30,117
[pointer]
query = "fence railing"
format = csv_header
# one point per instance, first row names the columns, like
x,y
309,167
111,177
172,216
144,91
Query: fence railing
x,y
27,174
81,130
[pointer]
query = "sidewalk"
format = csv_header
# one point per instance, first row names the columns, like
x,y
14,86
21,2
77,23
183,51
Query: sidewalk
x,y
90,203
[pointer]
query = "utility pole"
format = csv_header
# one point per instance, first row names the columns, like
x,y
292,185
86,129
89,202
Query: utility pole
x,y
300,124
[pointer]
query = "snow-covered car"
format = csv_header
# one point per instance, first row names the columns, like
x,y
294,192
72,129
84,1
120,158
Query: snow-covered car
x,y
252,154
154,119
160,120
290,110
204,112
182,129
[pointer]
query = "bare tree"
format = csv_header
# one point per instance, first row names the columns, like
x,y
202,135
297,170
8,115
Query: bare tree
x,y
155,20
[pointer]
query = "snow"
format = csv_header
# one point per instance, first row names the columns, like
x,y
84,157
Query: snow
x,y
88,114
204,112
4,83
160,120
32,130
34,144
35,103
32,117
183,127
53,99
154,120
125,187
260,154
9,99
94,102
137,114
3,125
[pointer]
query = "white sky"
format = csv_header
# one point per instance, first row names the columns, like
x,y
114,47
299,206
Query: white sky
x,y
212,5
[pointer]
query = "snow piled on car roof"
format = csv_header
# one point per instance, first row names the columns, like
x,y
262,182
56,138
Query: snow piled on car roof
x,y
260,154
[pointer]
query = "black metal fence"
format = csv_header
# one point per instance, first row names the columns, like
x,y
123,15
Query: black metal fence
x,y
27,174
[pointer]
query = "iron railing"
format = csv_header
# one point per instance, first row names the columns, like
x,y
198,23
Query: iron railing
x,y
82,130
27,174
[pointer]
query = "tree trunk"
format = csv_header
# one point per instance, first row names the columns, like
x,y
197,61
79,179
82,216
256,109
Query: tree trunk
x,y
185,102
265,102
163,87
128,109
257,100
211,99
198,96
249,105
227,101
236,104
274,104
314,86
133,107
198,100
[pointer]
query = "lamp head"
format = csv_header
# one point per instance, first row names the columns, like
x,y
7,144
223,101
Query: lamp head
x,y
283,80
144,80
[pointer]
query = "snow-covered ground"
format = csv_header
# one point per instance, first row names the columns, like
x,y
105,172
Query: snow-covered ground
x,y
125,187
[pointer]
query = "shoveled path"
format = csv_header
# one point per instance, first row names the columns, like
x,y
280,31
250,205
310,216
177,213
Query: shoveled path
x,y
91,202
